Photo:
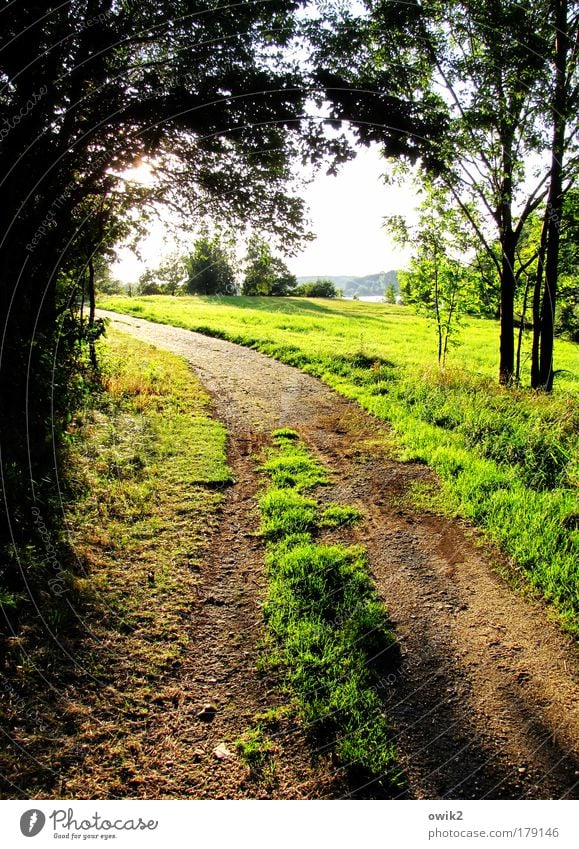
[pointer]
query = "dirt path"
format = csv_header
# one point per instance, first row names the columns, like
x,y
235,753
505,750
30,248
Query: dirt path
x,y
486,704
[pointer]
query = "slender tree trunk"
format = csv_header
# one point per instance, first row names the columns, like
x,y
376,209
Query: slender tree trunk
x,y
448,326
92,313
521,330
437,307
507,345
508,280
537,290
82,303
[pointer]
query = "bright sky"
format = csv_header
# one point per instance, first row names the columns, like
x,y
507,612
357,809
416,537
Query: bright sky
x,y
346,214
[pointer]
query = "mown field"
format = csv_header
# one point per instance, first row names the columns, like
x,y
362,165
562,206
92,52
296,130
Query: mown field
x,y
507,459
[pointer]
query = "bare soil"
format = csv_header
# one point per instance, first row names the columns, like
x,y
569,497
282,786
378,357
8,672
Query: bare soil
x,y
485,703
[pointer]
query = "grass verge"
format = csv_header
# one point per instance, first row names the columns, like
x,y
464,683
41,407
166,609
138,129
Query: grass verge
x,y
327,628
508,459
93,707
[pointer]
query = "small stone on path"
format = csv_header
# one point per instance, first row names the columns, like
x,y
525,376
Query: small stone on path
x,y
207,713
223,753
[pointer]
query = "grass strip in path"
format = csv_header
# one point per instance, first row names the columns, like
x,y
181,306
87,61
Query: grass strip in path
x,y
328,630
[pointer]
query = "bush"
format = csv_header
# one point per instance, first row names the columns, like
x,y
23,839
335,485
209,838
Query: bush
x,y
317,289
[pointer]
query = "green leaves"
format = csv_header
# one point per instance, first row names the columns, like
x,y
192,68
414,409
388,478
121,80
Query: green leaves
x,y
265,274
210,268
438,282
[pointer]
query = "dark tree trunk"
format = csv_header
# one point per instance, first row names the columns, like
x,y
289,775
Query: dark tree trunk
x,y
92,313
537,290
554,201
522,330
507,346
508,242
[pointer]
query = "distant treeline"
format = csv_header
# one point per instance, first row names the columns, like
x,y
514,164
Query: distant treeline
x,y
370,284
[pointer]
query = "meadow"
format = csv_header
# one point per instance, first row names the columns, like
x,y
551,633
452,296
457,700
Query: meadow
x,y
507,459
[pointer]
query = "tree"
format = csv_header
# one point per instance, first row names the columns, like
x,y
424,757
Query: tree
x,y
320,288
265,274
567,297
172,274
567,319
390,294
210,269
481,72
166,279
487,279
89,89
438,282
562,105
148,284
104,280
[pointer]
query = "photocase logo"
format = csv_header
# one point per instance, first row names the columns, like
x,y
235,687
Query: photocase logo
x,y
32,822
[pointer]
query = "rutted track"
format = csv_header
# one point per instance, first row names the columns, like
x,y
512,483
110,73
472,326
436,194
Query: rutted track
x,y
486,703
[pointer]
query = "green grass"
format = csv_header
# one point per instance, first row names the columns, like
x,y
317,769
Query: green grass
x,y
339,515
348,330
293,468
285,512
255,749
328,629
508,459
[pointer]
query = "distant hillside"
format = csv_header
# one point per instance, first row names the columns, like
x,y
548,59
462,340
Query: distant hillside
x,y
371,284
